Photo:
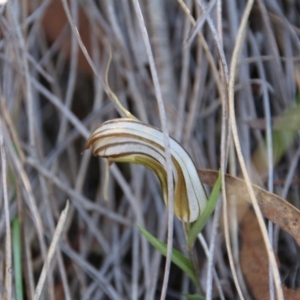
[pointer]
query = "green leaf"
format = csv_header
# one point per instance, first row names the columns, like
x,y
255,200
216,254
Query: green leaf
x,y
204,216
177,258
194,297
17,258
284,132
290,120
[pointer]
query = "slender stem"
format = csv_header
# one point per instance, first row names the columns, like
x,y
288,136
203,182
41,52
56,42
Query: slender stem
x,y
168,162
235,55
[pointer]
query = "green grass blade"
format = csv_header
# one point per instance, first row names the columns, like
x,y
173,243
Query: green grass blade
x,y
17,258
194,297
209,208
284,132
290,120
178,258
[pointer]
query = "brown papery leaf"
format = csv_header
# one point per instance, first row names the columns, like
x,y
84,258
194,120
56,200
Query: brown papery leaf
x,y
254,261
274,208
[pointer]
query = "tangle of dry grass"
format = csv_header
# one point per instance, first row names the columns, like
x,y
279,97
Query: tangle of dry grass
x,y
170,68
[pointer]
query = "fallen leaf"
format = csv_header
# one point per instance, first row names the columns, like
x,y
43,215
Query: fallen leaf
x,y
274,208
253,257
254,260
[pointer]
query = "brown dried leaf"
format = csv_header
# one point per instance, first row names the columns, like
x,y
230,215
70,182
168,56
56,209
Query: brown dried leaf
x,y
274,208
253,257
254,261
54,29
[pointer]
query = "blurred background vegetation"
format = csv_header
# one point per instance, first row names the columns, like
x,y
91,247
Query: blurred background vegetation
x,y
51,100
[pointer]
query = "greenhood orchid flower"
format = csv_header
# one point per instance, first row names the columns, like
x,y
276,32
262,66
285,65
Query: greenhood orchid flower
x,y
128,140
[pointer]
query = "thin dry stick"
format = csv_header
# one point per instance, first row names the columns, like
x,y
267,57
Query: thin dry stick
x,y
267,110
139,215
156,258
196,93
5,115
8,249
71,77
201,20
128,193
184,83
83,201
210,267
52,227
205,47
206,251
168,162
58,104
135,265
233,66
277,16
125,52
28,90
47,206
218,42
271,39
224,151
101,280
56,236
29,277
231,224
159,35
28,192
123,112
290,174
30,110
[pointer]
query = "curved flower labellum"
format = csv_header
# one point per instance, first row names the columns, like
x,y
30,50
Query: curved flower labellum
x,y
128,140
